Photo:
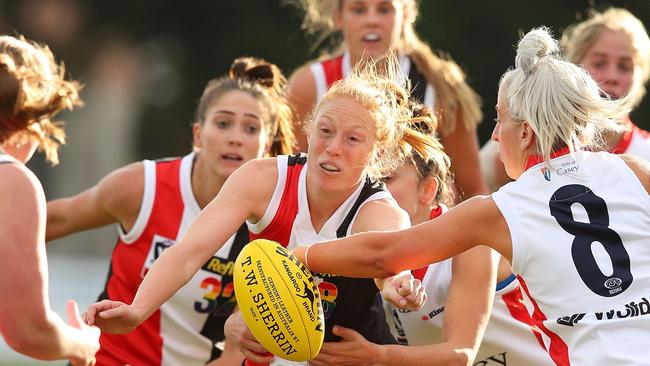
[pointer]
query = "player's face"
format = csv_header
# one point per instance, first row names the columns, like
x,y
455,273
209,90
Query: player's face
x,y
341,144
370,27
508,134
233,132
610,62
404,185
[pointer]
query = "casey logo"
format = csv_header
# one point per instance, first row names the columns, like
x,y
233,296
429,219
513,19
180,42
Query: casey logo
x,y
546,173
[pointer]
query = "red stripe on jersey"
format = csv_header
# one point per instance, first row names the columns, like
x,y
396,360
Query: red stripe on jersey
x,y
536,159
558,350
279,229
624,143
514,300
333,69
421,272
127,261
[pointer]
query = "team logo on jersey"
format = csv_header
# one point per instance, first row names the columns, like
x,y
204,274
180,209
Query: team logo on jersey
x,y
613,284
158,246
546,173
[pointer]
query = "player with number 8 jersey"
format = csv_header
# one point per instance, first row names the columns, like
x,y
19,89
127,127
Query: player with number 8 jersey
x,y
574,223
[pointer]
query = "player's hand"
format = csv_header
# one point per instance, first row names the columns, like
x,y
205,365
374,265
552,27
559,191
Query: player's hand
x,y
403,290
238,333
89,340
113,316
351,350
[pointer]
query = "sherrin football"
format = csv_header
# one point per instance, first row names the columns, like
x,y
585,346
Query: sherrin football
x,y
279,301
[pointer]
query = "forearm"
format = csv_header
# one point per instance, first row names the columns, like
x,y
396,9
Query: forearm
x,y
359,255
171,271
44,339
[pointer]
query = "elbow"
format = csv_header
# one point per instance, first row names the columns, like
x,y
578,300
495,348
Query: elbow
x,y
462,357
39,341
385,260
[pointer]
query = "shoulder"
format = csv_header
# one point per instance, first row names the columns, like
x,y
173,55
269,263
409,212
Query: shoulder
x,y
21,193
302,83
18,180
253,171
381,215
640,167
124,181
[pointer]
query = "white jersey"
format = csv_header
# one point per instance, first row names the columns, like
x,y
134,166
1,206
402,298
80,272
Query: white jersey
x,y
580,244
509,339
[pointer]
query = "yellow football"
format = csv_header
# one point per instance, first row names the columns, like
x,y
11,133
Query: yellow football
x,y
279,301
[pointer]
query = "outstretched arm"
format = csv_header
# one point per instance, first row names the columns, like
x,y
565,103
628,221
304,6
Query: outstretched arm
x,y
26,321
473,222
237,201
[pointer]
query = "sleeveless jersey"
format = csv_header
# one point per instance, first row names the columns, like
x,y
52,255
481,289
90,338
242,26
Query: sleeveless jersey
x,y
510,337
349,302
186,328
580,247
329,71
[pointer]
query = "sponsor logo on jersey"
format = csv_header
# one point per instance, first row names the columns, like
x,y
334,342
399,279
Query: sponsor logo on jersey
x,y
158,246
433,313
630,310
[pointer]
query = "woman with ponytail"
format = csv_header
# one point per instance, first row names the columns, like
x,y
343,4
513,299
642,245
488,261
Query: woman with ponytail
x,y
33,90
573,224
371,28
241,116
614,47
357,134
460,291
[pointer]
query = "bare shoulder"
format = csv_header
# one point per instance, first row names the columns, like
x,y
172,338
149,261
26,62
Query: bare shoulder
x,y
302,85
380,215
252,184
123,189
17,183
640,167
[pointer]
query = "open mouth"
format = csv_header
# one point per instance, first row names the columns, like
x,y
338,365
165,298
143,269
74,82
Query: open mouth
x,y
371,37
232,157
330,167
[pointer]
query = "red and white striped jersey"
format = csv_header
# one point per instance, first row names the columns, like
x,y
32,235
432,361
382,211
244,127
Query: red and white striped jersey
x,y
327,72
185,329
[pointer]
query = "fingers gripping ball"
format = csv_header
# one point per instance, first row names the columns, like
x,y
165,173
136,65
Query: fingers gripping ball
x,y
279,301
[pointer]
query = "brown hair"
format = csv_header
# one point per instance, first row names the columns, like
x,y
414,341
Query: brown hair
x,y
263,81
438,164
454,97
33,90
371,84
578,39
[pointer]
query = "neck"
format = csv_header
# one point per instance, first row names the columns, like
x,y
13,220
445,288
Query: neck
x,y
422,215
323,204
205,184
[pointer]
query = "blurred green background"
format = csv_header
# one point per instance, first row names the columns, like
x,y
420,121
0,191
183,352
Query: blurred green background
x,y
145,63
